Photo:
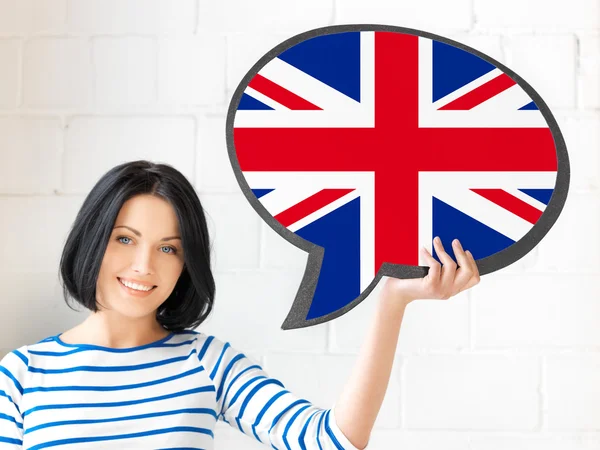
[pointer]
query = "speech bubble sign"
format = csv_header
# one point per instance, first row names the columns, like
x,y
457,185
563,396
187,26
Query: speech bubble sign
x,y
360,143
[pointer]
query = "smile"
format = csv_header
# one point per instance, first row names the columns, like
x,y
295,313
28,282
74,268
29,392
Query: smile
x,y
134,291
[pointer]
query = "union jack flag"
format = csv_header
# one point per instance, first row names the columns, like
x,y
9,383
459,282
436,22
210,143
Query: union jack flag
x,y
370,143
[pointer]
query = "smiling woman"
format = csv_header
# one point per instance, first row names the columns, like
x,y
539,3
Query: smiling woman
x,y
146,217
135,373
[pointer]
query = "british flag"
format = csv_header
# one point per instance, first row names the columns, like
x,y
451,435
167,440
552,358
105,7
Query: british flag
x,y
370,143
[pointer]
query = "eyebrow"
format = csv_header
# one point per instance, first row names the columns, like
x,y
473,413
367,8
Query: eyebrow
x,y
137,233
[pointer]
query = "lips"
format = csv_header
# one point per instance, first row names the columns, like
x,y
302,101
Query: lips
x,y
153,287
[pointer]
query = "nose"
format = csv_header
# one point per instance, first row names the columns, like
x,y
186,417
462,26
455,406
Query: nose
x,y
142,262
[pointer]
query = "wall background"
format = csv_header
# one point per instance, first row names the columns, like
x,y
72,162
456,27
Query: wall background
x,y
87,84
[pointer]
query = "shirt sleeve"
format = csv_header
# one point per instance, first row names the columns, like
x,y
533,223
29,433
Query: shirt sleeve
x,y
262,408
13,368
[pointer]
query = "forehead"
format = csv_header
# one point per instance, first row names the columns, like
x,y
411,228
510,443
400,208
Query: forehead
x,y
149,214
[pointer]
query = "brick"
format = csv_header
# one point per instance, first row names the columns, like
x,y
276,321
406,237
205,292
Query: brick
x,y
537,441
489,45
191,71
277,252
426,324
573,397
244,50
272,15
573,242
132,16
96,144
213,169
320,379
250,307
418,440
536,14
456,15
29,16
34,300
178,17
589,72
31,149
125,70
547,63
234,229
56,73
553,311
10,50
471,392
582,138
31,221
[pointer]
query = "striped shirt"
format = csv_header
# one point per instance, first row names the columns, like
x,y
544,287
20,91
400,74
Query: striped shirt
x,y
167,394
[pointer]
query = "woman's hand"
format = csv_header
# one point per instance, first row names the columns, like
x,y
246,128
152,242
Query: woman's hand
x,y
443,280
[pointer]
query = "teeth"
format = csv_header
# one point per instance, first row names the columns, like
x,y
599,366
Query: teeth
x,y
137,287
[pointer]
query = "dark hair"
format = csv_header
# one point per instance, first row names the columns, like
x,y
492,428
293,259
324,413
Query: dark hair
x,y
192,299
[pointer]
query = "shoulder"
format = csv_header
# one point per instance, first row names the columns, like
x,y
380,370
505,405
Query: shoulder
x,y
13,369
210,346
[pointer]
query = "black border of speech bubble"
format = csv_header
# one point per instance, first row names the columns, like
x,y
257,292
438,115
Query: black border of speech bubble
x,y
297,315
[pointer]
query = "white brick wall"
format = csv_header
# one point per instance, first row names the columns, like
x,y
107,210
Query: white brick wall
x,y
86,84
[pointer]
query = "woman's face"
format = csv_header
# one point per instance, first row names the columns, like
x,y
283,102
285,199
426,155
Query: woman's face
x,y
137,252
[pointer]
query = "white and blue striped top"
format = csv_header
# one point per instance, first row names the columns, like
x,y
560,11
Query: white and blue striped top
x,y
168,394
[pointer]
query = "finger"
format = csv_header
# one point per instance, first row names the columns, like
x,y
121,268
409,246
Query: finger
x,y
448,266
475,278
465,271
435,269
474,266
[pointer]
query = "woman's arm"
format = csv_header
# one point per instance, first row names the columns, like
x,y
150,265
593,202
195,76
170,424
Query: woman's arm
x,y
358,406
362,396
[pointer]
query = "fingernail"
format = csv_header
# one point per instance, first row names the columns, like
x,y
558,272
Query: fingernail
x,y
437,239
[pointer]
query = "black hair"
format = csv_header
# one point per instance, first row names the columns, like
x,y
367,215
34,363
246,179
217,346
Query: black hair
x,y
192,299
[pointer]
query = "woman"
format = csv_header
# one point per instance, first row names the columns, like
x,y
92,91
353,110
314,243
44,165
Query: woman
x,y
135,373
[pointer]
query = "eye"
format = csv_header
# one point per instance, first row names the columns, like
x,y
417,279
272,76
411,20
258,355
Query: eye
x,y
122,237
174,250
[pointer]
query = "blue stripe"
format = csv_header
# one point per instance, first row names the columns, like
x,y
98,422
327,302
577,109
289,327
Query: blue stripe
x,y
205,347
287,408
113,368
243,388
125,403
227,370
4,394
289,425
232,383
264,410
319,430
11,419
12,377
122,436
22,356
119,419
257,388
78,350
303,432
113,388
115,350
181,448
11,440
218,364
